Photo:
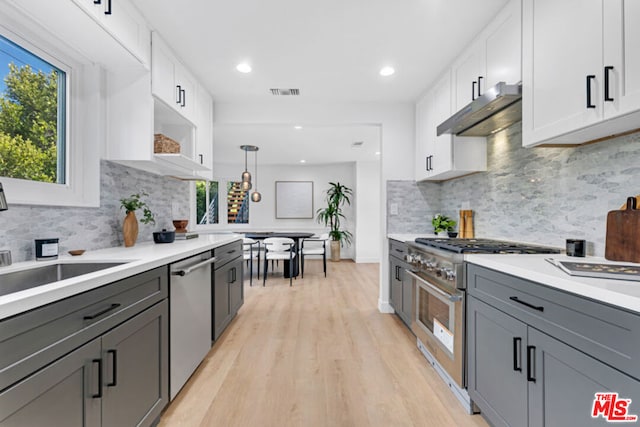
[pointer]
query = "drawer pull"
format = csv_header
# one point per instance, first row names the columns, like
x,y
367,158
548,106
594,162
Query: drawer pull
x,y
607,95
590,77
98,395
519,301
105,311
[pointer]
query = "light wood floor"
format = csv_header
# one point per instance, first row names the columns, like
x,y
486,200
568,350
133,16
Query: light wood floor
x,y
317,354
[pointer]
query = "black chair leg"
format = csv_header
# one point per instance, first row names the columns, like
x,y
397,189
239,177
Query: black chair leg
x,y
251,271
302,264
324,263
290,270
264,273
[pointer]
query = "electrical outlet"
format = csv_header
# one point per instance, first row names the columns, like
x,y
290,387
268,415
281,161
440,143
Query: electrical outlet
x,y
393,208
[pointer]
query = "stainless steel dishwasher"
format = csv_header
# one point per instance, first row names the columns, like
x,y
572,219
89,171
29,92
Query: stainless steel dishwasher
x,y
189,317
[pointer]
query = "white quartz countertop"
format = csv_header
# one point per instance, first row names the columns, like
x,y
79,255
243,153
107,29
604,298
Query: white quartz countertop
x,y
139,258
620,293
408,237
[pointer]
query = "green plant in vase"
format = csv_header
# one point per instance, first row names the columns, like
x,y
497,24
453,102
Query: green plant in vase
x,y
443,223
337,196
130,225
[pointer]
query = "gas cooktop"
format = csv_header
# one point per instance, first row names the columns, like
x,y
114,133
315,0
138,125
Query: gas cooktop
x,y
484,246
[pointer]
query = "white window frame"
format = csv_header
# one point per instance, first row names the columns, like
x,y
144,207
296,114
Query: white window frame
x,y
83,124
222,210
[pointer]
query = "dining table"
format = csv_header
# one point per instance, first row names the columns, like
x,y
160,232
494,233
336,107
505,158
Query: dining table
x,y
295,235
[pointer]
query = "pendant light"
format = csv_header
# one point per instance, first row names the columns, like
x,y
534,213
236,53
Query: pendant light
x,y
246,176
256,196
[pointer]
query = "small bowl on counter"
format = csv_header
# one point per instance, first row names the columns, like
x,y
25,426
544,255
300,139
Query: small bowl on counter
x,y
164,236
76,252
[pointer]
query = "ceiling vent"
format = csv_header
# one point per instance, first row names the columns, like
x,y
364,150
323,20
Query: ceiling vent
x,y
357,144
285,92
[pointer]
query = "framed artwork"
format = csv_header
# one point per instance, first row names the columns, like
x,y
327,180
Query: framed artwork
x,y
294,199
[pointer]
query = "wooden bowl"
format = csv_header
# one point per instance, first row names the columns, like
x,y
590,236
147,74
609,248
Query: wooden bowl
x,y
180,225
76,252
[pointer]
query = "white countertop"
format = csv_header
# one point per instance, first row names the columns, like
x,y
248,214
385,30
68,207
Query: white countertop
x,y
621,293
139,258
408,237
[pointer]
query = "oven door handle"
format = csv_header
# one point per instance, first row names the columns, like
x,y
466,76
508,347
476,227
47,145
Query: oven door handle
x,y
451,297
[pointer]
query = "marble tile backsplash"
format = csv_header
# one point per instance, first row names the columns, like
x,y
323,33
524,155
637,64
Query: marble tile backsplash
x,y
92,228
538,195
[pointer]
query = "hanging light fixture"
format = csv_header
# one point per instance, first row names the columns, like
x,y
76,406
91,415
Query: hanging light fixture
x,y
256,196
246,176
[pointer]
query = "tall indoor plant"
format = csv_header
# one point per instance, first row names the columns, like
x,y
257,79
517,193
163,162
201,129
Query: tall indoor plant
x,y
330,216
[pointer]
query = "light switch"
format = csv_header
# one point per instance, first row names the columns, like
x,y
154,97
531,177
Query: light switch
x,y
394,208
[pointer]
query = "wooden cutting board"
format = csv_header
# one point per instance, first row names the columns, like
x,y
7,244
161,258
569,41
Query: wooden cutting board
x,y
465,227
623,233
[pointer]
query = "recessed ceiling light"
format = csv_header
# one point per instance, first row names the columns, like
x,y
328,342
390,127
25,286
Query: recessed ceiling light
x,y
297,127
243,67
387,71
377,153
303,161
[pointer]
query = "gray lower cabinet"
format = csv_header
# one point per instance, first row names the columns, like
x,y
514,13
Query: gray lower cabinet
x,y
228,286
528,364
95,359
401,284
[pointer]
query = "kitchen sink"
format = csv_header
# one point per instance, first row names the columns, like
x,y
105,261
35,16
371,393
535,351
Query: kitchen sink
x,y
26,279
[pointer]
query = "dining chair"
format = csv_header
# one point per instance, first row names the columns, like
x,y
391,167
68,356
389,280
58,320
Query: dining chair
x,y
314,246
278,248
251,251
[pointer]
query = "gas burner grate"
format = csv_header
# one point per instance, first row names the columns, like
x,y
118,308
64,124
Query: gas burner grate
x,y
485,246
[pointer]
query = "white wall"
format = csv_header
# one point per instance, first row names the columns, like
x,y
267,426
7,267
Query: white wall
x,y
367,200
262,215
397,122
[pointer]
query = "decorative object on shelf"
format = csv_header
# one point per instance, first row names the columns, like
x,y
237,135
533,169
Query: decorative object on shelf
x,y
162,144
246,175
256,196
443,224
130,224
180,225
337,196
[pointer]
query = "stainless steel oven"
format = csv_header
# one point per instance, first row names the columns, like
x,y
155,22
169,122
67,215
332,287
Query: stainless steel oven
x,y
439,324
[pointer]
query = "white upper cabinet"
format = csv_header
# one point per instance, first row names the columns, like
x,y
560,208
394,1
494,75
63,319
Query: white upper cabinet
x,y
204,132
171,82
446,156
581,71
493,57
117,40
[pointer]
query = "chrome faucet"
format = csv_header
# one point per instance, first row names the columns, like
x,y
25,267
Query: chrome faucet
x,y
5,255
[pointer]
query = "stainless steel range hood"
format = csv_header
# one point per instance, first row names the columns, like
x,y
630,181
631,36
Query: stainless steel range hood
x,y
498,108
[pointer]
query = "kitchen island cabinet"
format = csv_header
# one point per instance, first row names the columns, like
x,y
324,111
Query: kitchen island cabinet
x,y
537,355
401,284
228,286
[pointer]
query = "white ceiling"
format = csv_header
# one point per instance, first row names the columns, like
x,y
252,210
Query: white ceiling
x,y
332,50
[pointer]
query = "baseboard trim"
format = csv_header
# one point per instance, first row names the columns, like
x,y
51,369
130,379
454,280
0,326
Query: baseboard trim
x,y
385,307
367,260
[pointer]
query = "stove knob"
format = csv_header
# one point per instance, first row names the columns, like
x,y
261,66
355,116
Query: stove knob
x,y
409,258
451,275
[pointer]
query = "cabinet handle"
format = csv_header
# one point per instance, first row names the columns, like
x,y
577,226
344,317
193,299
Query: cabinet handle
x,y
531,361
607,98
589,78
108,8
517,346
100,313
431,162
114,364
201,158
184,97
473,90
97,1
98,395
479,80
179,94
519,301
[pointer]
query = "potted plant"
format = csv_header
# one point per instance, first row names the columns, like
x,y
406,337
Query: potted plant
x,y
442,223
130,225
337,196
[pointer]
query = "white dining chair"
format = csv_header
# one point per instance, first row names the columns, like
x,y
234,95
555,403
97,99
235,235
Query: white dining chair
x,y
279,248
314,246
251,252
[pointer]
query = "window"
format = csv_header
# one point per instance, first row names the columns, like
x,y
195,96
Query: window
x,y
237,204
207,202
53,157
32,116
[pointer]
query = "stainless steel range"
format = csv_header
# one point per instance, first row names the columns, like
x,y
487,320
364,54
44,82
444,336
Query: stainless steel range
x,y
440,298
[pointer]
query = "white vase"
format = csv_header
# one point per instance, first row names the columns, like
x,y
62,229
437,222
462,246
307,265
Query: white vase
x,y
443,234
